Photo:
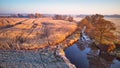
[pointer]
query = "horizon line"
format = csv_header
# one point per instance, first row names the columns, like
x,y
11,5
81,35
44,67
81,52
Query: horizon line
x,y
59,13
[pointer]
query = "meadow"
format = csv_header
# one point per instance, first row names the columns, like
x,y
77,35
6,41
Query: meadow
x,y
32,33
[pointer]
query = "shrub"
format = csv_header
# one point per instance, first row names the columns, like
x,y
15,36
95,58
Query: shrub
x,y
70,19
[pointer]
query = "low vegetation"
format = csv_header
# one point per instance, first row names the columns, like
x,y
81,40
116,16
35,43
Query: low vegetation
x,y
33,33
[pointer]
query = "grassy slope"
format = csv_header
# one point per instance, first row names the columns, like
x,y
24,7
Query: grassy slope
x,y
33,33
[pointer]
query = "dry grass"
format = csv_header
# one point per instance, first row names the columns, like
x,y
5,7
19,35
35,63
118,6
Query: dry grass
x,y
33,33
10,21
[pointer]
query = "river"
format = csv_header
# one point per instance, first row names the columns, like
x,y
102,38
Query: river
x,y
84,55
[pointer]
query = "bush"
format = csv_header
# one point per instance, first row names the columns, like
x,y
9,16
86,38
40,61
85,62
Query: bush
x,y
60,17
70,19
117,43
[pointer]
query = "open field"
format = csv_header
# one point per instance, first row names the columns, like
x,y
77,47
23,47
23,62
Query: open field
x,y
24,33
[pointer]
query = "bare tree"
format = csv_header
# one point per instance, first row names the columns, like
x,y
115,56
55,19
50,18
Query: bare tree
x,y
31,16
37,15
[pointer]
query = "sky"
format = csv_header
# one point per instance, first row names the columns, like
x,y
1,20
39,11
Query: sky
x,y
61,6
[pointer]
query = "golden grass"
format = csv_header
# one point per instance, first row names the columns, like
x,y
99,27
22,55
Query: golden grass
x,y
10,21
34,33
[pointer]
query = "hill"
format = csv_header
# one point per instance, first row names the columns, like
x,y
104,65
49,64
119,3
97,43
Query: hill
x,y
24,33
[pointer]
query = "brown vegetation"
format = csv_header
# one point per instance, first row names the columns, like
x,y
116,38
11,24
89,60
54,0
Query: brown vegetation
x,y
33,33
116,21
100,30
59,17
70,18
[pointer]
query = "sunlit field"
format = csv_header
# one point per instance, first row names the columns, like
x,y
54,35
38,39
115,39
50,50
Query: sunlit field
x,y
59,33
24,33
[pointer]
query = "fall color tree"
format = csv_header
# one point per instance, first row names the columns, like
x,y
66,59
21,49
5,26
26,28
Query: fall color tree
x,y
99,29
103,29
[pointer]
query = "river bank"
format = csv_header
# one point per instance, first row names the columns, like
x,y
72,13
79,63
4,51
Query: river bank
x,y
48,57
41,58
85,54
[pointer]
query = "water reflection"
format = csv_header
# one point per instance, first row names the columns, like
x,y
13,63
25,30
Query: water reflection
x,y
84,54
90,57
76,56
